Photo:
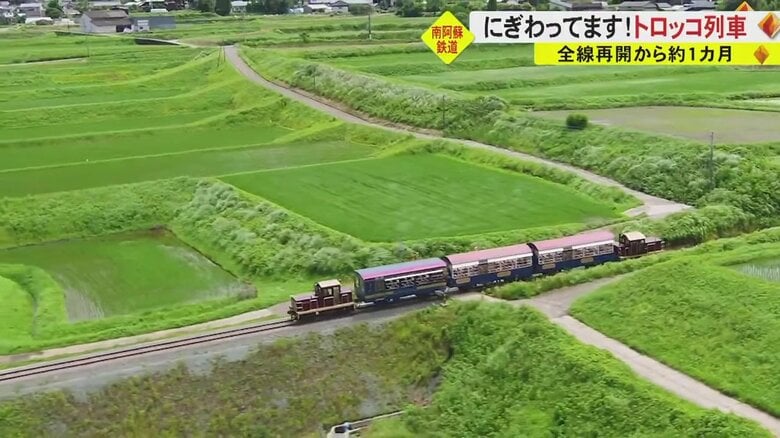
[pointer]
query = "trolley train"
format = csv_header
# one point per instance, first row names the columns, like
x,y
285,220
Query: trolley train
x,y
468,271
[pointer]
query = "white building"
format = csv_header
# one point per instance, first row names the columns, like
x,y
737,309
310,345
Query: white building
x,y
104,21
238,6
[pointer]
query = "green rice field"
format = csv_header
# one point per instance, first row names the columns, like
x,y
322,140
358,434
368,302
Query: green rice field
x,y
414,197
765,269
126,273
689,122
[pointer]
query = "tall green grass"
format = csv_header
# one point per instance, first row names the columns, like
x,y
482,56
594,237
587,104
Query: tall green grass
x,y
514,374
711,322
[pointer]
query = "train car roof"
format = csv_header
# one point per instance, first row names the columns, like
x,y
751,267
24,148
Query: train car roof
x,y
400,268
576,240
489,254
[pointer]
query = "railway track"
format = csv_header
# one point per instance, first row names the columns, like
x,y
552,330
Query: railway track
x,y
34,370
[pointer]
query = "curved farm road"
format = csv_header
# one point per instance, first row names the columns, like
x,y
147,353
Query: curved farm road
x,y
653,206
556,305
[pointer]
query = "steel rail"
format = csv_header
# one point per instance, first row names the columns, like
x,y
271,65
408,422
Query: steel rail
x,y
141,350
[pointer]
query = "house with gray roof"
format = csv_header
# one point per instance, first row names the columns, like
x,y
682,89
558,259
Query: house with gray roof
x,y
105,21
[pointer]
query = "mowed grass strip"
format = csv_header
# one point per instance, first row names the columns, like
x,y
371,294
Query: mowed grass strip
x,y
696,123
420,196
213,162
711,322
126,273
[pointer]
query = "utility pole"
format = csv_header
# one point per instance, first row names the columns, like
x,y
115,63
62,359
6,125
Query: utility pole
x,y
712,161
370,7
443,113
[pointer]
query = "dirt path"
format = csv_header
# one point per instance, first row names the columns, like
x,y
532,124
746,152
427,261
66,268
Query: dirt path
x,y
654,207
556,305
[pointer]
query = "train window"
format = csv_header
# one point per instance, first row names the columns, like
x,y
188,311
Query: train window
x,y
551,257
509,264
465,271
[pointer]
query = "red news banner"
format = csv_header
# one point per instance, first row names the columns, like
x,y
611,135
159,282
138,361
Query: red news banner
x,y
560,37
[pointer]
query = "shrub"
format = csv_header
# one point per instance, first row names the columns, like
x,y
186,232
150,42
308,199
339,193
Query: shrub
x,y
577,121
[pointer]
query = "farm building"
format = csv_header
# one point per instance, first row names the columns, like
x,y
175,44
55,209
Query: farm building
x,y
339,6
151,23
238,6
104,4
31,10
316,8
105,21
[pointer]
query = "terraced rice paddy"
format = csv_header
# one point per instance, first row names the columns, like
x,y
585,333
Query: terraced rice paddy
x,y
414,197
143,113
127,273
508,71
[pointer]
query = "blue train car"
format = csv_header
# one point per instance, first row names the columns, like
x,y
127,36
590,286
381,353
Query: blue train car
x,y
475,269
391,282
585,249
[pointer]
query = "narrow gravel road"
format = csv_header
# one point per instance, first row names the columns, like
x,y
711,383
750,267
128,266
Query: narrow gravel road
x,y
654,207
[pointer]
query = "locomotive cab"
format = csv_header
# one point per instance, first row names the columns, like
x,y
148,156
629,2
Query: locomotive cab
x,y
328,289
634,244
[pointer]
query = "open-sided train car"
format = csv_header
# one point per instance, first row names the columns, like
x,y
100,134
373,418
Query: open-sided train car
x,y
392,282
584,249
470,270
475,269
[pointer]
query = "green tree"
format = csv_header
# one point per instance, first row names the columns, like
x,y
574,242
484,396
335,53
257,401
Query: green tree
x,y
53,9
433,6
206,5
492,5
222,7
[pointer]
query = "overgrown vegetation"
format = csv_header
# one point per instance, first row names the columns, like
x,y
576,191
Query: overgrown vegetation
x,y
265,394
526,377
705,319
538,380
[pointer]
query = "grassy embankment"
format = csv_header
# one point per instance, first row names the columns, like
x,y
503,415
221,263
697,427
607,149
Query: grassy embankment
x,y
525,376
702,316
